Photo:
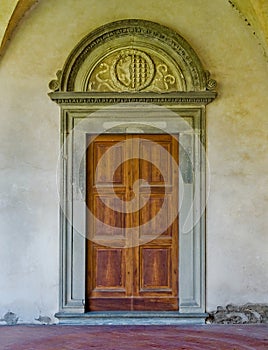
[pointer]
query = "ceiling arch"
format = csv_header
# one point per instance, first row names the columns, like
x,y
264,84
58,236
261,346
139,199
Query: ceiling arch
x,y
11,14
254,12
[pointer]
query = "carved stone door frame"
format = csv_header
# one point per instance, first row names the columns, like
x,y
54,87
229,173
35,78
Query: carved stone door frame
x,y
133,76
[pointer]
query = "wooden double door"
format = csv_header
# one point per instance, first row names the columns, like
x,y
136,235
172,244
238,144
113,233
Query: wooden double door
x,y
132,224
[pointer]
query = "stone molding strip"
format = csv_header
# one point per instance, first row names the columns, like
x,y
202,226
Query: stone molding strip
x,y
189,98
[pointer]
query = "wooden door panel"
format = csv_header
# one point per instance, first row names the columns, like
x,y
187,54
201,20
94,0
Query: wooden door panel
x,y
108,275
110,266
133,269
107,269
154,160
168,303
110,304
109,279
155,208
157,260
109,222
107,173
150,172
155,272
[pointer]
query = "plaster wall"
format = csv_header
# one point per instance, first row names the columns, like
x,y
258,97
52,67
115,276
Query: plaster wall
x,y
6,11
237,133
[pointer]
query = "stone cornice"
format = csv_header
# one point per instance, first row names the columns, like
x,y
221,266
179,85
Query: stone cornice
x,y
178,98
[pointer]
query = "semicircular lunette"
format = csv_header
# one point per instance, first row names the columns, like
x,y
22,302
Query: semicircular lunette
x,y
133,56
132,69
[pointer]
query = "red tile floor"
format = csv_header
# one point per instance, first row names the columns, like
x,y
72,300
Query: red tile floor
x,y
207,337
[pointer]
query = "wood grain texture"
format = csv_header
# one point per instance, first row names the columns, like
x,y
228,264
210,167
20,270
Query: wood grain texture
x,y
141,272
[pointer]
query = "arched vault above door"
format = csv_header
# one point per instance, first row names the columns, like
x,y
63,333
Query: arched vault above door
x,y
133,56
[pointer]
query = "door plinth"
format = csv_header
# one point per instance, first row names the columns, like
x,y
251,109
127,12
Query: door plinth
x,y
135,318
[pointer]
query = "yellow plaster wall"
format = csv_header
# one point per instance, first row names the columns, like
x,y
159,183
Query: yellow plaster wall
x,y
237,130
6,10
11,13
255,12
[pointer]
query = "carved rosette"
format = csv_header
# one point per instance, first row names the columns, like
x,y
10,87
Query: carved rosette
x,y
211,83
54,84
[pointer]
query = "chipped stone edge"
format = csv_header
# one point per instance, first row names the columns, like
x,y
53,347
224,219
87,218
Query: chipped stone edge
x,y
250,313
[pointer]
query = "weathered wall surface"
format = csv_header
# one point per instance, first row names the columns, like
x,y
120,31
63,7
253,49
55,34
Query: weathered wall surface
x,y
7,9
237,130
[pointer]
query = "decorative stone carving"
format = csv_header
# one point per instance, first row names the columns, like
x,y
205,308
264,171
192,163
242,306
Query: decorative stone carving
x,y
54,85
133,70
163,80
184,98
133,55
211,83
233,314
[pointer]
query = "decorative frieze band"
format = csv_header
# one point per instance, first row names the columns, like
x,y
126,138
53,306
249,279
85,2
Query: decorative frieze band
x,y
198,98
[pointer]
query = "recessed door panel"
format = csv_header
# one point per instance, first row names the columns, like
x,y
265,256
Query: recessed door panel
x,y
110,265
155,268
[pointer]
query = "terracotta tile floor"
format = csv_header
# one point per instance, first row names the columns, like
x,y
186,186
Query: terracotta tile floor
x,y
133,337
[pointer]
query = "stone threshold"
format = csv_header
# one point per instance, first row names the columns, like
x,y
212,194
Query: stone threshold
x,y
130,318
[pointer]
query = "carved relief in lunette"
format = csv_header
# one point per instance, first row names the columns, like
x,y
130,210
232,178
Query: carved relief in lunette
x,y
132,70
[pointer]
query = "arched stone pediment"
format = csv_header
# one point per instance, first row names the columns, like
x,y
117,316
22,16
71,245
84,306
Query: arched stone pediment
x,y
133,56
